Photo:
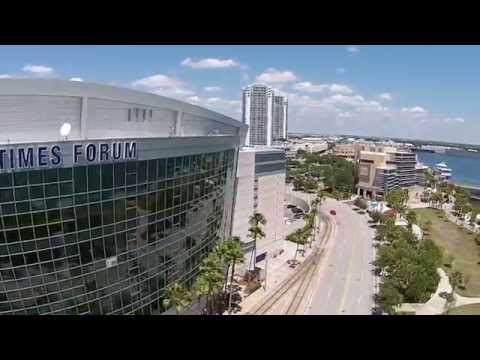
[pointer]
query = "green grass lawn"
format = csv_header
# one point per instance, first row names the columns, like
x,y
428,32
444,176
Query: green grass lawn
x,y
458,243
475,204
473,309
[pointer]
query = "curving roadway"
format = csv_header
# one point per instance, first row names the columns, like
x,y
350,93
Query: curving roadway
x,y
345,284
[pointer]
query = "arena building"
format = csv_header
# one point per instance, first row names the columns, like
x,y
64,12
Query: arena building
x,y
129,196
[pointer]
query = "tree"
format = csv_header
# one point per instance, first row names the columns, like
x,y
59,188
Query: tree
x,y
362,204
298,237
209,282
456,279
376,216
389,296
178,296
411,218
256,221
232,255
397,199
430,180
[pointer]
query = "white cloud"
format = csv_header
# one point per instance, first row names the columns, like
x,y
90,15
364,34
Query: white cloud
x,y
164,85
353,49
212,88
5,76
341,70
340,89
454,120
307,86
194,99
272,76
386,96
210,63
76,79
346,114
415,109
38,70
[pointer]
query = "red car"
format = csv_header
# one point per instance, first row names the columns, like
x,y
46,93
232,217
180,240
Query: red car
x,y
333,212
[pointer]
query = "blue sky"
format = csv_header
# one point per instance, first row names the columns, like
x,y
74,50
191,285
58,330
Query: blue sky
x,y
406,91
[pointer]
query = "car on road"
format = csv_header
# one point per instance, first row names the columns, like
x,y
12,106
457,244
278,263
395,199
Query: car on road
x,y
333,212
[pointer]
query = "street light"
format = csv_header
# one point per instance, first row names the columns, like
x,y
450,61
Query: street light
x,y
65,130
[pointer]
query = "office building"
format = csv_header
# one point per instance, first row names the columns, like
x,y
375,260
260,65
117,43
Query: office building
x,y
100,218
265,114
260,188
382,168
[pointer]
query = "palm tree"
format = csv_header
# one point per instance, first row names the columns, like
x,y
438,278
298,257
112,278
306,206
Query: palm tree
x,y
233,255
209,282
178,296
256,221
298,238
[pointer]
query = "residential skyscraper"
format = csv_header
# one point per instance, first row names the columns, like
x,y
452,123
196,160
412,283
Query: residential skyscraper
x,y
265,114
279,119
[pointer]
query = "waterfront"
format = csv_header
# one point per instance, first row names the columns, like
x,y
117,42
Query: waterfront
x,y
465,166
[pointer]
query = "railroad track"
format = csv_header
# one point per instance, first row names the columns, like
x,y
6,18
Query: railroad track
x,y
300,281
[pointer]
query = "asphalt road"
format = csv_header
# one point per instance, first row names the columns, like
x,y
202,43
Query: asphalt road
x,y
346,283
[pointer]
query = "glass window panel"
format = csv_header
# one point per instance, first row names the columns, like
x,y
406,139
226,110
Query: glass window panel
x,y
94,196
120,210
69,226
51,175
81,199
10,221
65,174
6,180
66,188
80,179
51,190
6,195
26,234
39,218
82,217
93,178
21,193
107,176
152,170
21,178
23,206
95,215
12,236
142,172
53,203
38,205
24,220
119,174
107,212
8,209
35,177
53,216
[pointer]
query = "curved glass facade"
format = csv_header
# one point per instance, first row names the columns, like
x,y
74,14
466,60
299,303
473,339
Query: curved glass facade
x,y
107,239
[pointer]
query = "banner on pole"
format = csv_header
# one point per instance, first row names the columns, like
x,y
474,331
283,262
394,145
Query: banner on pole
x,y
260,257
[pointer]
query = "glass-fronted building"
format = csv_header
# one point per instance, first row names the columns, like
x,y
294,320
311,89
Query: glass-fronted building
x,y
102,221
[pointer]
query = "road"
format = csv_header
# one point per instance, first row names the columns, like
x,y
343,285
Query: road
x,y
346,283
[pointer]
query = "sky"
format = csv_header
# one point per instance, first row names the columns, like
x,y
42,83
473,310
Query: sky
x,y
421,92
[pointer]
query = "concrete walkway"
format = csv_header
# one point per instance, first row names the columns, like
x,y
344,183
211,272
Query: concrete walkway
x,y
437,305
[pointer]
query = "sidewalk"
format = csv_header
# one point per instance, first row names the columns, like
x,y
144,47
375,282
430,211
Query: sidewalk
x,y
278,270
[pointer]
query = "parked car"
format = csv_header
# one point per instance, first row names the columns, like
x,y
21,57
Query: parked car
x,y
333,212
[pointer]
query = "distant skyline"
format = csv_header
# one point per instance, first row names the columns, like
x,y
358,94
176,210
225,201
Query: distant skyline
x,y
419,92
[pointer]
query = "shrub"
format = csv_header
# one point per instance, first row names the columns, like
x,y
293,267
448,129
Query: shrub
x,y
252,286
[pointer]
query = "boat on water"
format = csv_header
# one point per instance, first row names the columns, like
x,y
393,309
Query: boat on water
x,y
443,170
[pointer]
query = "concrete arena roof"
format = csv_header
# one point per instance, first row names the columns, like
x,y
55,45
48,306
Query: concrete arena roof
x,y
54,87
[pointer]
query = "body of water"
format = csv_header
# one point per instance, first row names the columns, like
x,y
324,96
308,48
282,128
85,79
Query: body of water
x,y
465,166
